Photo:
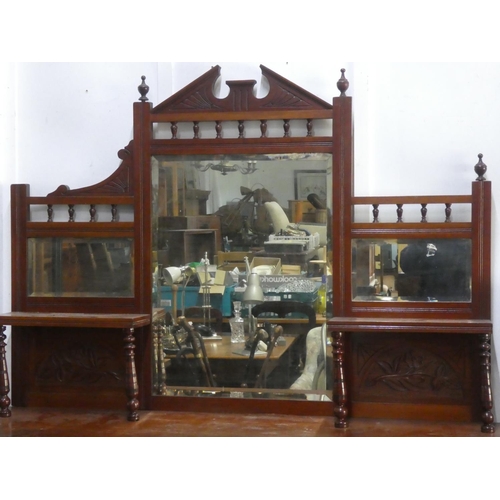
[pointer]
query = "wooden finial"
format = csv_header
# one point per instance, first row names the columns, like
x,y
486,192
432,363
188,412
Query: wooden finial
x,y
343,83
480,168
143,89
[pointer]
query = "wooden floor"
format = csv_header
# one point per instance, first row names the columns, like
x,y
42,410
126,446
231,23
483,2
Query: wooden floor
x,y
73,423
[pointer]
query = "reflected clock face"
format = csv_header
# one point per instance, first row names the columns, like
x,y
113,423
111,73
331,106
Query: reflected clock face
x,y
314,188
311,183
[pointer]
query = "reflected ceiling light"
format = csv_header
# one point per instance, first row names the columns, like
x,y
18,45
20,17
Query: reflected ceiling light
x,y
226,167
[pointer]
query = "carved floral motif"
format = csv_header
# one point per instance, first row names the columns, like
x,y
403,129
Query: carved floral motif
x,y
77,364
410,370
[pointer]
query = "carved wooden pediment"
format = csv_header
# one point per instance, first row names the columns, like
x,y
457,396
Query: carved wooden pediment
x,y
119,183
199,96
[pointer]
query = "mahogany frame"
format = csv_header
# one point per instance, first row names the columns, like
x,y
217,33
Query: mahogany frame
x,y
130,185
405,327
196,103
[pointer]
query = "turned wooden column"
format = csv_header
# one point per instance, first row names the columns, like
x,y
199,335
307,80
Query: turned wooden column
x,y
159,372
132,385
4,377
156,348
339,388
162,374
486,394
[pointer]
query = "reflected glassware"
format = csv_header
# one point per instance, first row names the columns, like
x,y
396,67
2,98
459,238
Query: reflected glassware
x,y
237,325
321,300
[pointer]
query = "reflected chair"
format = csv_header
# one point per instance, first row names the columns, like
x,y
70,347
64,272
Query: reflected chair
x,y
284,309
264,371
313,377
196,314
269,337
195,346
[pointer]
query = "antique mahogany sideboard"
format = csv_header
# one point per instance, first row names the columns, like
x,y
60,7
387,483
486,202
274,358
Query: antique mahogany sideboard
x,y
398,351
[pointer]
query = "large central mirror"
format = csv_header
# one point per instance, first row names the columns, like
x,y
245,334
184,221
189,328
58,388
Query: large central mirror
x,y
241,248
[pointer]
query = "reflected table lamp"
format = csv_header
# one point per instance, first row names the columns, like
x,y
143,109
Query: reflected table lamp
x,y
172,276
205,288
252,295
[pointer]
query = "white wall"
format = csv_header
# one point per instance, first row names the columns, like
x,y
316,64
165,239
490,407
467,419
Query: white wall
x,y
7,175
73,118
418,130
418,126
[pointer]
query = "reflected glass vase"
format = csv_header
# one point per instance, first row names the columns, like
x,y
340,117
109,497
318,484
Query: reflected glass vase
x,y
237,325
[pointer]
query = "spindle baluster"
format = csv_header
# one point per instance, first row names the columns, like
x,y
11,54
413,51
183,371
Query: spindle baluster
x,y
423,212
218,129
399,212
309,127
263,128
173,129
447,212
286,127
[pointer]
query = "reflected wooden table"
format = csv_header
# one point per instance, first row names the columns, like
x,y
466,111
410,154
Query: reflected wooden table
x,y
228,361
225,349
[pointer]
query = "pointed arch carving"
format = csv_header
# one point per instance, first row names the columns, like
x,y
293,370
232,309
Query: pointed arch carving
x,y
199,96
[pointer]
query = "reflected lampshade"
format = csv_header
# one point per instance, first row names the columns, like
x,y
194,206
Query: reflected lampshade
x,y
253,293
172,275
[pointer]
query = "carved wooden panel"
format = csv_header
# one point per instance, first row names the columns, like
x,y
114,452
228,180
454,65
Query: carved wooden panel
x,y
408,368
69,367
77,363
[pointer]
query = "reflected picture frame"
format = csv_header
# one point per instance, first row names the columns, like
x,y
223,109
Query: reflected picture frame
x,y
308,182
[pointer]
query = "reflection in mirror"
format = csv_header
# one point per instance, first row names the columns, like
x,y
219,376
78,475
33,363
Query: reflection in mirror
x,y
224,217
80,267
411,270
